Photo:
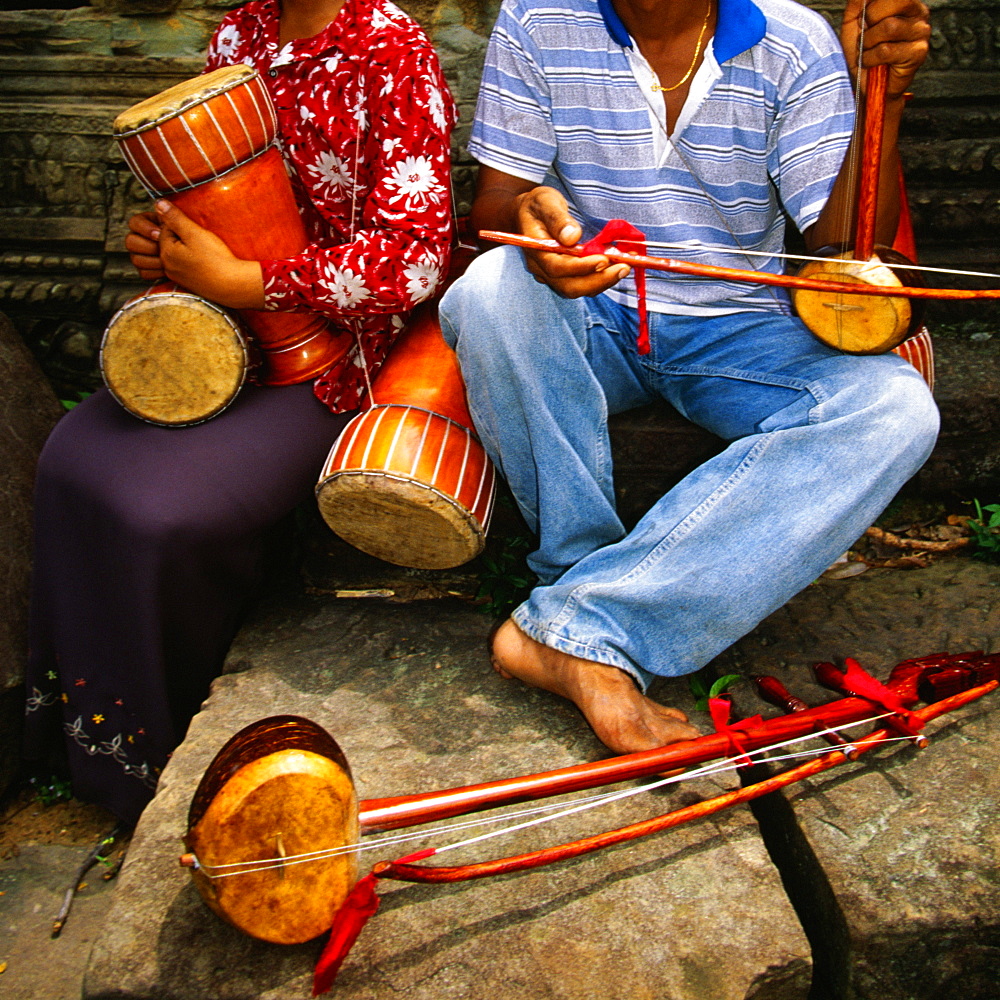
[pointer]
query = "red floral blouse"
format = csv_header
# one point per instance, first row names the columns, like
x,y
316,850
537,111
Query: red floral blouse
x,y
364,122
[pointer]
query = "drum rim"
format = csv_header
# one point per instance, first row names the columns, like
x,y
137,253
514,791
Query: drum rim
x,y
194,101
228,760
225,314
406,406
402,478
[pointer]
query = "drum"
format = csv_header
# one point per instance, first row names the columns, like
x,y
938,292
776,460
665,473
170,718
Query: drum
x,y
919,351
278,790
172,358
407,480
209,145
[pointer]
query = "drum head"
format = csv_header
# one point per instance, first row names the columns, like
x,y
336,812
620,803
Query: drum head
x,y
276,795
183,95
399,520
172,358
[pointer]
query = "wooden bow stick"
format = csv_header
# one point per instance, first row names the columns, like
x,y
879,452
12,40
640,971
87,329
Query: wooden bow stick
x,y
363,902
741,274
835,295
832,758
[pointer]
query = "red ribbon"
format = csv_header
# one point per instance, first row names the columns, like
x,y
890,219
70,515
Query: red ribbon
x,y
622,232
358,908
719,709
858,681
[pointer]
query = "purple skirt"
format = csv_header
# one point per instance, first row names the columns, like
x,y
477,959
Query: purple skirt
x,y
148,546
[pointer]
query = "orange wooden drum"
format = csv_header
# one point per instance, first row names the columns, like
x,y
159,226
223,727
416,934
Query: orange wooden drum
x,y
919,351
172,358
209,145
407,480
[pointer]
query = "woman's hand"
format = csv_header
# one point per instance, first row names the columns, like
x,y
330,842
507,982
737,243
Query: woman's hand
x,y
170,245
143,245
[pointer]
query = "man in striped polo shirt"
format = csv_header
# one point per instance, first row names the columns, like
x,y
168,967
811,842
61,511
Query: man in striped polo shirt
x,y
702,123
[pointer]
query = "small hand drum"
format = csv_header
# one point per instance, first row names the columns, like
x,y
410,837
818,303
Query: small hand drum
x,y
173,358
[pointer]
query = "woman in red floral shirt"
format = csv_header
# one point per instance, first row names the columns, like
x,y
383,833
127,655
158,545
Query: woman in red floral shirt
x,y
149,539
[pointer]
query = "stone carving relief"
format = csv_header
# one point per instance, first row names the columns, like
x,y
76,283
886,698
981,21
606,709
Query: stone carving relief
x,y
66,195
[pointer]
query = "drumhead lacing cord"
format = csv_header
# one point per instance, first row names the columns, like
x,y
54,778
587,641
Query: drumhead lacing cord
x,y
578,805
355,323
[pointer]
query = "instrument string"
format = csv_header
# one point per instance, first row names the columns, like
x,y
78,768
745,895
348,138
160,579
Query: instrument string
x,y
578,805
854,154
359,116
708,248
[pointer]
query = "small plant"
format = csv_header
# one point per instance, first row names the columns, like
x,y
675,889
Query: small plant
x,y
702,690
68,403
985,527
504,579
51,790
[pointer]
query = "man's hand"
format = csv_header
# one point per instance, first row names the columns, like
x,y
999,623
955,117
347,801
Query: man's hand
x,y
543,214
169,244
507,203
896,34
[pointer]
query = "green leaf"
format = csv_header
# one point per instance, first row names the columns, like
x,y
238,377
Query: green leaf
x,y
722,684
698,687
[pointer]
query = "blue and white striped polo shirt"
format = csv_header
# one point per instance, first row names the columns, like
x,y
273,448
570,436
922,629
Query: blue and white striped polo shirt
x,y
765,126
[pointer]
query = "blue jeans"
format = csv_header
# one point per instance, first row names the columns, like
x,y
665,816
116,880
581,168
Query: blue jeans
x,y
820,442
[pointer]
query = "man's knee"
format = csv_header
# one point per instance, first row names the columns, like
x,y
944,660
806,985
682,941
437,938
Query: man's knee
x,y
911,409
900,416
496,299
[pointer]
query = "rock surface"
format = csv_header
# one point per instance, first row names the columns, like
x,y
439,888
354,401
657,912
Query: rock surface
x,y
891,861
875,857
409,695
28,412
966,459
32,887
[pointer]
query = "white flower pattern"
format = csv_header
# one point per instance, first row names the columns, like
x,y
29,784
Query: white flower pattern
x,y
421,279
330,170
347,288
415,182
227,41
364,118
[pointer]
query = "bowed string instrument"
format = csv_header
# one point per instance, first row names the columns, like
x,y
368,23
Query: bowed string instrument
x,y
857,299
274,829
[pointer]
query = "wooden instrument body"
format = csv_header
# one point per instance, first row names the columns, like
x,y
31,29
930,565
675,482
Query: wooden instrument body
x,y
172,358
855,324
279,789
955,679
209,145
407,480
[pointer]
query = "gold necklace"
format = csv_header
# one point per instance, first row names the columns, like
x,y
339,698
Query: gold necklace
x,y
656,88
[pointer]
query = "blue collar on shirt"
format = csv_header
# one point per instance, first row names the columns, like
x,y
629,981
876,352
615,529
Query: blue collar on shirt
x,y
739,26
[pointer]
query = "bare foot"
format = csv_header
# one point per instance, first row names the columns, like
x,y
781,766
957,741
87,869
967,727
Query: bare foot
x,y
624,719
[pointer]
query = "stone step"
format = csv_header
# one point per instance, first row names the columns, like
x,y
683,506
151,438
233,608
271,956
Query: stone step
x,y
697,912
407,692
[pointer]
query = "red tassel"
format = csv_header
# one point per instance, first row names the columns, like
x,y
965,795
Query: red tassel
x,y
858,681
357,909
618,230
718,708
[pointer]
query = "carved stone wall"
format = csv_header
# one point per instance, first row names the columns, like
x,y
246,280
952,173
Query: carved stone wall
x,y
66,195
